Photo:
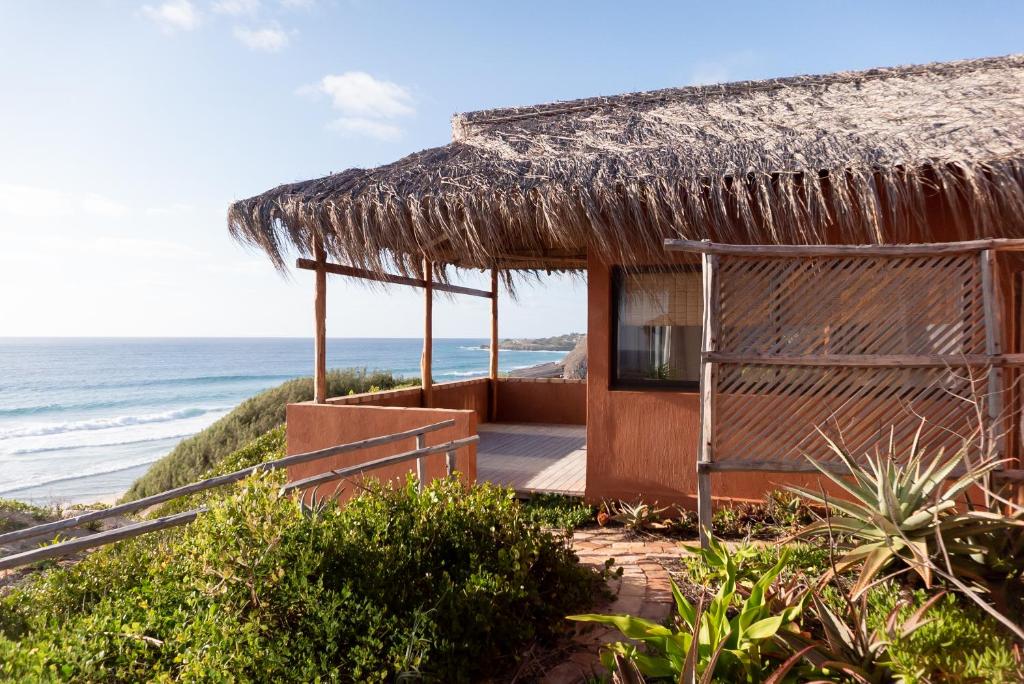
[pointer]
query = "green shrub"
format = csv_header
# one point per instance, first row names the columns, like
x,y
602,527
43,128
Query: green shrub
x,y
252,418
488,577
15,515
558,511
450,583
960,644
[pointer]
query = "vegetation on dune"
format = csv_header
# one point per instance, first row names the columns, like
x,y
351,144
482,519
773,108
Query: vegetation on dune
x,y
252,418
449,584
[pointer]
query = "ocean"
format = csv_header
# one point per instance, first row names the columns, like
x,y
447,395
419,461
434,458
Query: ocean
x,y
82,418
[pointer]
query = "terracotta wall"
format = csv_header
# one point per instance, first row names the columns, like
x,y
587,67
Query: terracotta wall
x,y
318,426
542,400
471,395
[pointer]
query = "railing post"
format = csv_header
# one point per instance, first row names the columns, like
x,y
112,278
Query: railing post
x,y
449,459
421,441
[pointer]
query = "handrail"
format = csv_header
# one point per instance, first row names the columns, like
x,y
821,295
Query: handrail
x,y
138,528
99,539
340,473
220,480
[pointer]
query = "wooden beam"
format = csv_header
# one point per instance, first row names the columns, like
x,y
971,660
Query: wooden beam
x,y
320,325
493,366
426,375
921,249
338,269
868,360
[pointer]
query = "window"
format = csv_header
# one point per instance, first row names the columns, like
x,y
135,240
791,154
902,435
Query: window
x,y
657,326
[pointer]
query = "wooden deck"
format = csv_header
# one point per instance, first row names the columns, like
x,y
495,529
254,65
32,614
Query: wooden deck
x,y
533,458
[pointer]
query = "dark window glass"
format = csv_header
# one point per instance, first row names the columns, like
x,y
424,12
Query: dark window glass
x,y
658,326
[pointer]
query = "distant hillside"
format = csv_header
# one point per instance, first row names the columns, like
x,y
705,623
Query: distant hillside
x,y
558,343
250,419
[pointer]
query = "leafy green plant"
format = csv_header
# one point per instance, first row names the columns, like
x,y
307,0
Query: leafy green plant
x,y
958,643
558,511
731,636
898,509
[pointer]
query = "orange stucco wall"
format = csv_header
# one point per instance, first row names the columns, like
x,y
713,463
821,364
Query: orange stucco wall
x,y
542,400
471,395
318,426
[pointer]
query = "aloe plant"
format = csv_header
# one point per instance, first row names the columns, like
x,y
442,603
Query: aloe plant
x,y
728,637
896,509
849,646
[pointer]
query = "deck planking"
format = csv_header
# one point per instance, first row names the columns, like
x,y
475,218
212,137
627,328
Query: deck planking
x,y
533,458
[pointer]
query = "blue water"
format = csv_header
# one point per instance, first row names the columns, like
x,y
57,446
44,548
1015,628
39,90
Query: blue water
x,y
81,419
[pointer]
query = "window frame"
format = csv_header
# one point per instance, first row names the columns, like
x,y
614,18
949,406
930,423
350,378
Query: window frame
x,y
614,383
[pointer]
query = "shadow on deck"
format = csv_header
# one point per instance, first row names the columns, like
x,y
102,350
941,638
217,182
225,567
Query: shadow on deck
x,y
533,458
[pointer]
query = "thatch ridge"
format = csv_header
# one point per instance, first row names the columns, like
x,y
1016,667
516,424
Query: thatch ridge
x,y
851,157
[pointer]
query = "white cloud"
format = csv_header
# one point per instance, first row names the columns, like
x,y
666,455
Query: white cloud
x,y
354,125
357,93
236,8
174,15
369,105
29,201
297,4
265,39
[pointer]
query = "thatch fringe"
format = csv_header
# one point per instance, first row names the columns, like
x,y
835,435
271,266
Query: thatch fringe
x,y
822,160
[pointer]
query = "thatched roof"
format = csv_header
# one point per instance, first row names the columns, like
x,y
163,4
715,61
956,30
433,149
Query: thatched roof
x,y
850,157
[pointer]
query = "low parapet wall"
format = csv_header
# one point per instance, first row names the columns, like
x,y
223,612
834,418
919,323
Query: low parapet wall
x,y
319,426
542,400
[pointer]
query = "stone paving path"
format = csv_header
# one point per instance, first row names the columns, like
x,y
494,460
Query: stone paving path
x,y
643,590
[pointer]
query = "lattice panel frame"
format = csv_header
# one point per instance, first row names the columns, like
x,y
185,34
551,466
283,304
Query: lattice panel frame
x,y
798,344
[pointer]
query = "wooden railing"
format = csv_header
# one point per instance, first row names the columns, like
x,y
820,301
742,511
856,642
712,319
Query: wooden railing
x,y
136,529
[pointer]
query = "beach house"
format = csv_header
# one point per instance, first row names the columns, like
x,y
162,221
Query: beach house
x,y
763,260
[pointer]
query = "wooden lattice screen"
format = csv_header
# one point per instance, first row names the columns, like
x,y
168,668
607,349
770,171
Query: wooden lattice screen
x,y
802,310
859,342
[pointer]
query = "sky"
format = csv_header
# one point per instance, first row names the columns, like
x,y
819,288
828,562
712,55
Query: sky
x,y
126,129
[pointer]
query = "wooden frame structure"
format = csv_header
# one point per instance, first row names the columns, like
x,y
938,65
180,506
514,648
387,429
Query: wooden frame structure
x,y
322,267
865,342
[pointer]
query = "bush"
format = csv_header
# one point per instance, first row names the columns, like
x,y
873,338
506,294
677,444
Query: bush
x,y
558,511
960,644
449,583
252,418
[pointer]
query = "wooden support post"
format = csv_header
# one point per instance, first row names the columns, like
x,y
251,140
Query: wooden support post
x,y
449,462
993,347
708,386
428,335
493,374
320,329
421,443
